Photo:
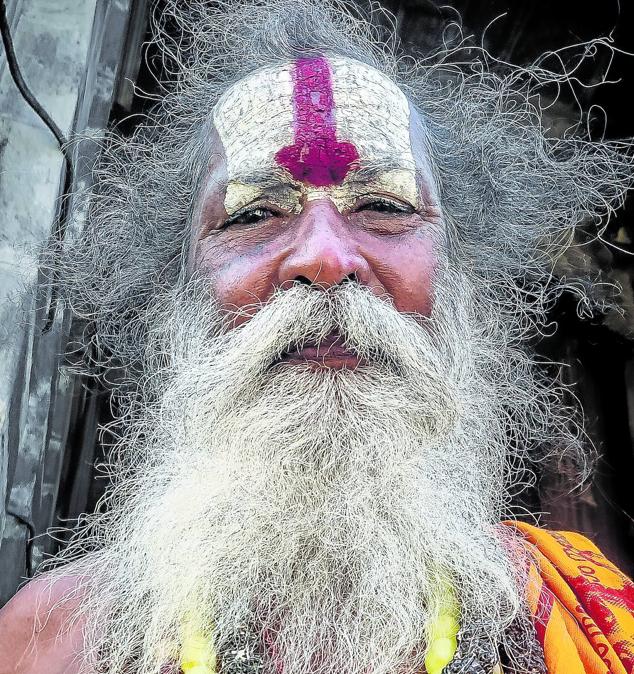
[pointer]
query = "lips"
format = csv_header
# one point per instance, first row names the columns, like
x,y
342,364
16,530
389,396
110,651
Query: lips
x,y
330,352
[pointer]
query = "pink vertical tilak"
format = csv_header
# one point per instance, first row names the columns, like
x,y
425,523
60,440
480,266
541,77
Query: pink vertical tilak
x,y
316,156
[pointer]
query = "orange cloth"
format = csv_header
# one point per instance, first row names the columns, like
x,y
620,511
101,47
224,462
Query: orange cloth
x,y
583,606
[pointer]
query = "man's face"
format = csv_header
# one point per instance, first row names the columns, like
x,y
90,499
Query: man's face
x,y
317,175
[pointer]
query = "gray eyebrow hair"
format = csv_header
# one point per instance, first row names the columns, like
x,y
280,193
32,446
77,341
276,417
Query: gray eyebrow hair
x,y
377,166
267,179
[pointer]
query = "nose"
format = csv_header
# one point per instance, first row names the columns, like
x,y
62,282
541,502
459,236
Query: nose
x,y
324,252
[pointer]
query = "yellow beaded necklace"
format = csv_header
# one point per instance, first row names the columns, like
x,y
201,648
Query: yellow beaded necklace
x,y
443,635
199,657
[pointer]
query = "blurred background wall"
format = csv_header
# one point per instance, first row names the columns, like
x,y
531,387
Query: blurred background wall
x,y
81,61
73,57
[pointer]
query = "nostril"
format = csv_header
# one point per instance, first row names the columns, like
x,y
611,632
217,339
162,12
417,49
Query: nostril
x,y
304,280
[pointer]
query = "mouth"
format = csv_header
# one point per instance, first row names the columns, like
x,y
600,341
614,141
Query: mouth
x,y
328,353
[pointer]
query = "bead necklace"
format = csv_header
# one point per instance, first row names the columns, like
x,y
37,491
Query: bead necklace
x,y
198,655
443,635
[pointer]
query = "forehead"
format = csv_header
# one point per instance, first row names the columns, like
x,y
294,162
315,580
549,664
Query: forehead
x,y
319,119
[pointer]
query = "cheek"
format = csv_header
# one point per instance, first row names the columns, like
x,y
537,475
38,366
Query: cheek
x,y
238,280
406,268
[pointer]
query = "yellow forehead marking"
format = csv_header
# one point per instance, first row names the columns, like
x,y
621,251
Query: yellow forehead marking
x,y
239,195
399,183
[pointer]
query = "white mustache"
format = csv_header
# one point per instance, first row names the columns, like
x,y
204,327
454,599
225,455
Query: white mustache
x,y
367,325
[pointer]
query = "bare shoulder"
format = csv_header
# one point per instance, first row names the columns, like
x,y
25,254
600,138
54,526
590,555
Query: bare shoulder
x,y
35,633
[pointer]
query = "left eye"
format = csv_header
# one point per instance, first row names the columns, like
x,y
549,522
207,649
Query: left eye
x,y
249,216
385,206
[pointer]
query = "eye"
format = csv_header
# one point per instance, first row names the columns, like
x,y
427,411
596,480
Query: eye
x,y
249,216
383,205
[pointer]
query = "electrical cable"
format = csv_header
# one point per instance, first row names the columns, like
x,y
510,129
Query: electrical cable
x,y
16,74
31,100
29,541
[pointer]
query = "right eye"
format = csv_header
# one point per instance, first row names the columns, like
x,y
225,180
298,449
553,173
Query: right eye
x,y
387,206
249,216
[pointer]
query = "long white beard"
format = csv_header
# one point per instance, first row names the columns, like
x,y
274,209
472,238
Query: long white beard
x,y
323,510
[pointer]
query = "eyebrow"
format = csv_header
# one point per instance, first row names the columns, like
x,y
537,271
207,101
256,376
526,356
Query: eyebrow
x,y
377,168
267,179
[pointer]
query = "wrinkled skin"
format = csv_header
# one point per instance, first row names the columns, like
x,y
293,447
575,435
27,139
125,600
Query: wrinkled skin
x,y
265,223
394,254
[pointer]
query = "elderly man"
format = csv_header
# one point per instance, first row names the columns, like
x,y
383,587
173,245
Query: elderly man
x,y
315,270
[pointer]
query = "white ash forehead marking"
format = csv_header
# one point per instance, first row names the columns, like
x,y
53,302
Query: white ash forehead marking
x,y
255,118
371,111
